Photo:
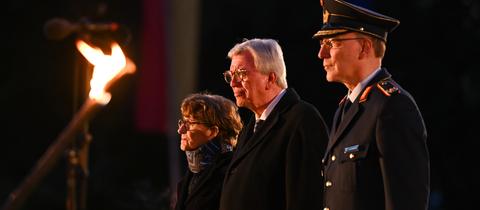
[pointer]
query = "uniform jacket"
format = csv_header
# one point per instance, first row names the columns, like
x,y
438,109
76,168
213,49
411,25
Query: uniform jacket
x,y
206,193
377,156
279,166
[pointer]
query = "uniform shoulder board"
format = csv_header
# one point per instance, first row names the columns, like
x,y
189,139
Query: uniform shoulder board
x,y
387,87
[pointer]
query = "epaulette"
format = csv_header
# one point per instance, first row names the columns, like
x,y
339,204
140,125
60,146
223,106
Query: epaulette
x,y
387,87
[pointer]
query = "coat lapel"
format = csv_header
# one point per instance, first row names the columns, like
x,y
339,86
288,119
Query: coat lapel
x,y
347,119
258,137
337,117
246,134
200,182
250,140
342,124
219,161
183,194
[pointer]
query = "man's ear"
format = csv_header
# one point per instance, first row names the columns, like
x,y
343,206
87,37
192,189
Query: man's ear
x,y
367,46
271,80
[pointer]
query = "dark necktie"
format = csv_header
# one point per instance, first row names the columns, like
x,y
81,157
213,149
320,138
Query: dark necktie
x,y
346,106
258,123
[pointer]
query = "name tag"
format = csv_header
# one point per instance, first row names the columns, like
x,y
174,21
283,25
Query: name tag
x,y
351,149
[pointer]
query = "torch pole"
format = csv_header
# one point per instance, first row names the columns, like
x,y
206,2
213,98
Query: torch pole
x,y
77,154
52,155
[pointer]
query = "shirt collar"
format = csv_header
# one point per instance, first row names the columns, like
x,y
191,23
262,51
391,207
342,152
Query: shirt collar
x,y
272,105
352,95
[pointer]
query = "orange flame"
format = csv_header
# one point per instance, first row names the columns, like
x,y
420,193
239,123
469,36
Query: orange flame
x,y
107,69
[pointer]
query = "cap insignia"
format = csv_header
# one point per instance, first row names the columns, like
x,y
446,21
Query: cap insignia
x,y
326,16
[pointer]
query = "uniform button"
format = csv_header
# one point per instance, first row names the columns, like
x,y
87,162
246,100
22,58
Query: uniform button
x,y
333,157
328,183
351,156
323,160
326,208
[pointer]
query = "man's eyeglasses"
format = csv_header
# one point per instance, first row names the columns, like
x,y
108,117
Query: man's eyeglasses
x,y
187,123
238,75
335,42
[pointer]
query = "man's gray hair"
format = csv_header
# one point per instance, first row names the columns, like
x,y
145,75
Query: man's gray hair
x,y
267,55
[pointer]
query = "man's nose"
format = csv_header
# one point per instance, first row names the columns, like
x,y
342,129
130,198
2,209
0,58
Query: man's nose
x,y
235,82
324,52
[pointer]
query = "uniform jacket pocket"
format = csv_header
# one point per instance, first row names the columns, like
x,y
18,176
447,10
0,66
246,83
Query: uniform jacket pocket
x,y
354,152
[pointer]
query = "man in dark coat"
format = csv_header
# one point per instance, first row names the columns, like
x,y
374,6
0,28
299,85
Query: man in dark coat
x,y
377,157
277,164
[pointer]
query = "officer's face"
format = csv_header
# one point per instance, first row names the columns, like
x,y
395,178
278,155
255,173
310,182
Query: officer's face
x,y
341,57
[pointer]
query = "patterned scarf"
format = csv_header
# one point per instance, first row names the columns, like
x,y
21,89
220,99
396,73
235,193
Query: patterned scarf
x,y
203,156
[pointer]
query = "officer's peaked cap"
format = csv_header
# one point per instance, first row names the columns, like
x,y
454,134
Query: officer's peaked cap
x,y
341,17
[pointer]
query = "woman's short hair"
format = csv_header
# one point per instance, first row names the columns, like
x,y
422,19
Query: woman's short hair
x,y
215,110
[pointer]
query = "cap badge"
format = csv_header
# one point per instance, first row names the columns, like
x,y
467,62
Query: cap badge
x,y
326,16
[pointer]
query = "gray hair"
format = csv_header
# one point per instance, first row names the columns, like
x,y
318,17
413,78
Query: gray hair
x,y
267,55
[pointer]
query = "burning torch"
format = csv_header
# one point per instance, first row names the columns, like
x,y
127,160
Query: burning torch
x,y
107,69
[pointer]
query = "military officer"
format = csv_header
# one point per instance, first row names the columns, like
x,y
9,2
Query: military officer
x,y
377,157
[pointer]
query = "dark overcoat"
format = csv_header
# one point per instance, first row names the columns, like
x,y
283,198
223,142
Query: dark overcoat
x,y
377,157
205,195
279,166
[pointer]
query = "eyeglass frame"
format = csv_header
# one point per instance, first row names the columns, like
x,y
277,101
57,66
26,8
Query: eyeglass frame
x,y
184,122
328,43
240,74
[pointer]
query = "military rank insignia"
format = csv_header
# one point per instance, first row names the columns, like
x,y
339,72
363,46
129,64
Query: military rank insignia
x,y
387,87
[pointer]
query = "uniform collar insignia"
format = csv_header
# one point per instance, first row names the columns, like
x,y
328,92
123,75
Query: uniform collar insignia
x,y
365,94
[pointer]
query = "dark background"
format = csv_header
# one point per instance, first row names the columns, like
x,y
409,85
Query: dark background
x,y
433,54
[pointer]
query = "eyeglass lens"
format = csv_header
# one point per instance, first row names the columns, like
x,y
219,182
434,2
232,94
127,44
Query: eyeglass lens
x,y
227,76
334,42
187,123
237,75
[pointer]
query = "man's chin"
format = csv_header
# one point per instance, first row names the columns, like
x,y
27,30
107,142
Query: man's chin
x,y
240,102
330,78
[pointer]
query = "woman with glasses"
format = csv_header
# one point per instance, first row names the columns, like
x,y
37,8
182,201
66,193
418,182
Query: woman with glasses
x,y
208,128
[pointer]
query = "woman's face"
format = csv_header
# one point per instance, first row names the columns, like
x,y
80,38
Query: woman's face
x,y
194,133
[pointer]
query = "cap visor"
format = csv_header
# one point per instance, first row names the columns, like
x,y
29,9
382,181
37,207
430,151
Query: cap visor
x,y
330,32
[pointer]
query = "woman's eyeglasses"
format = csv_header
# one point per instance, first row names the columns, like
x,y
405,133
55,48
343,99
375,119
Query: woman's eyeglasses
x,y
187,123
